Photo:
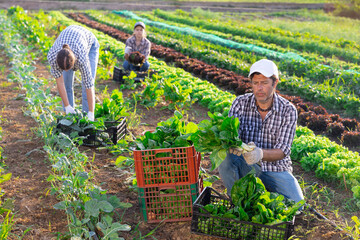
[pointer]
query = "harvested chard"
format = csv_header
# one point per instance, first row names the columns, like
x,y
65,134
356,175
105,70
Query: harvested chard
x,y
217,136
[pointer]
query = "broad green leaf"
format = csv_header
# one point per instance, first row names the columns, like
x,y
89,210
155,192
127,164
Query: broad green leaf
x,y
60,206
105,206
217,157
92,207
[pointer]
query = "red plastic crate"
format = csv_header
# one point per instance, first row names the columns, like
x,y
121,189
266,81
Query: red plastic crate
x,y
171,203
167,166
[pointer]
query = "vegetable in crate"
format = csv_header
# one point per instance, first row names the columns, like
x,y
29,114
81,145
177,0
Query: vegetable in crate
x,y
78,125
250,202
217,136
171,133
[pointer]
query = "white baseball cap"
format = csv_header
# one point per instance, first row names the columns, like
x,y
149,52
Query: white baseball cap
x,y
265,67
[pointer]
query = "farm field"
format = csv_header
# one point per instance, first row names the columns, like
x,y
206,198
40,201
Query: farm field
x,y
60,190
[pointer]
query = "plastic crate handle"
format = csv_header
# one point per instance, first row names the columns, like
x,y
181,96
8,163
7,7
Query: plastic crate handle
x,y
209,189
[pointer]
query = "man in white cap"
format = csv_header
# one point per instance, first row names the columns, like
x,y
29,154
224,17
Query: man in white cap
x,y
267,121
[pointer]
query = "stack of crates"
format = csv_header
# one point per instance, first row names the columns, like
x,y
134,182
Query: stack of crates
x,y
168,182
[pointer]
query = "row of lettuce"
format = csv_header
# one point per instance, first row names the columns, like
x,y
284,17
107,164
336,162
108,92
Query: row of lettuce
x,y
303,44
324,86
216,100
76,184
87,206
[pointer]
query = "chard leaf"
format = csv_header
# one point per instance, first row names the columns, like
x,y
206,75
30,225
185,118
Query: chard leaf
x,y
65,122
217,157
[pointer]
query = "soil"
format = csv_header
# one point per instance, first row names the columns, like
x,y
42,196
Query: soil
x,y
33,204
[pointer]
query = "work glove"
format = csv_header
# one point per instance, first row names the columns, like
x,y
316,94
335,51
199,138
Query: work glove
x,y
90,116
128,50
236,151
69,109
254,156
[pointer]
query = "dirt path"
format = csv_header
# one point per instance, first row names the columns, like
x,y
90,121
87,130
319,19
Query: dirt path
x,y
25,159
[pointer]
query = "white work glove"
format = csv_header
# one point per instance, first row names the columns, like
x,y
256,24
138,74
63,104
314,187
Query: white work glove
x,y
254,156
90,116
128,50
236,151
69,109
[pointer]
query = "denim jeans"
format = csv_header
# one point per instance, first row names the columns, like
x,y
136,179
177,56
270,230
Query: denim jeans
x,y
129,67
235,167
69,78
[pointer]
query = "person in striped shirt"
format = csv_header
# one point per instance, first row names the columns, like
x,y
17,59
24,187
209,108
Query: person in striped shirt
x,y
76,48
137,43
267,121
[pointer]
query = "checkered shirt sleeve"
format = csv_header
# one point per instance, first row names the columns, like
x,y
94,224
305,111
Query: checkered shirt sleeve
x,y
277,131
80,41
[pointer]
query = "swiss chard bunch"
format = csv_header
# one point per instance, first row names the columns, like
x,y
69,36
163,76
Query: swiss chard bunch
x,y
78,123
112,109
217,136
136,58
173,132
254,203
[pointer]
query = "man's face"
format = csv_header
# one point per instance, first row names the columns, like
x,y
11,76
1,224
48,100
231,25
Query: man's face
x,y
263,88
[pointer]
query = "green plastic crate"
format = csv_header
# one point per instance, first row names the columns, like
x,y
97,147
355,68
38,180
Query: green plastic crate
x,y
168,203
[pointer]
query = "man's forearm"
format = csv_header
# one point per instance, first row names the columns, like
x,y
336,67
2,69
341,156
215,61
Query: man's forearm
x,y
272,155
90,94
62,91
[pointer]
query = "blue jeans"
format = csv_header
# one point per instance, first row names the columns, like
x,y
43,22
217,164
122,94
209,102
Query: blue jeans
x,y
69,78
129,67
235,167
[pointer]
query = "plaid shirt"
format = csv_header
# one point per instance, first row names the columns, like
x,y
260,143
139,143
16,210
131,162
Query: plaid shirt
x,y
277,131
143,47
80,41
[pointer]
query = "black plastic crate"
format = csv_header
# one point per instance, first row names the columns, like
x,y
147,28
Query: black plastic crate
x,y
118,75
116,129
206,224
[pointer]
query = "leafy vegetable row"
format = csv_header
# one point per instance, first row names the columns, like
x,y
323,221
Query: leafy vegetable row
x,y
350,53
88,207
310,56
322,93
289,62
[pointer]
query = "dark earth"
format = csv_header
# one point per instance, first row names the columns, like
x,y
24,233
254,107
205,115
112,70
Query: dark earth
x,y
33,203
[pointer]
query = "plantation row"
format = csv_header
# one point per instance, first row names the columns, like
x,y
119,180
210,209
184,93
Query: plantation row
x,y
304,42
332,97
177,86
316,118
192,83
289,62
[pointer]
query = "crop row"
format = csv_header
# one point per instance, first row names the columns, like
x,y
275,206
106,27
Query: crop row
x,y
350,53
86,205
196,86
261,47
321,93
347,129
200,89
292,63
